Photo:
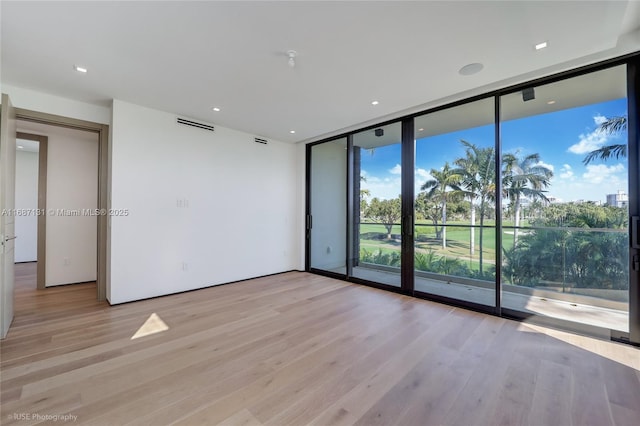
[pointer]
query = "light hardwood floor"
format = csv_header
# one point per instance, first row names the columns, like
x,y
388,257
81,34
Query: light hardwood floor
x,y
298,349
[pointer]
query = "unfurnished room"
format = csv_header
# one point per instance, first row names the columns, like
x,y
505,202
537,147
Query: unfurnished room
x,y
320,213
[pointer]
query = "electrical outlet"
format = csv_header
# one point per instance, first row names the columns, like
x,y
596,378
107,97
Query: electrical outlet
x,y
67,261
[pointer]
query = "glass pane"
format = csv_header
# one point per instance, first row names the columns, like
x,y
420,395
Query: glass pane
x,y
565,233
329,206
377,175
455,203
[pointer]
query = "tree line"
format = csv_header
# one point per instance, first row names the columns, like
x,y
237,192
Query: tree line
x,y
471,178
467,188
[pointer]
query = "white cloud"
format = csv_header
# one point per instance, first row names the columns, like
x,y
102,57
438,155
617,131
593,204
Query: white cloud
x,y
577,189
384,188
593,140
543,164
599,119
566,172
422,174
598,173
593,184
589,142
388,187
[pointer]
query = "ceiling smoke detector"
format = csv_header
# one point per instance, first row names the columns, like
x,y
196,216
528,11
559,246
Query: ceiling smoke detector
x,y
292,58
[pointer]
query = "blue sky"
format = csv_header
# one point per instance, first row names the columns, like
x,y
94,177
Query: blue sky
x,y
562,139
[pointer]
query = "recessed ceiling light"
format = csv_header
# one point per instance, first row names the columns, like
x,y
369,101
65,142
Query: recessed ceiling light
x,y
541,45
292,131
375,103
471,69
216,109
80,69
551,102
20,147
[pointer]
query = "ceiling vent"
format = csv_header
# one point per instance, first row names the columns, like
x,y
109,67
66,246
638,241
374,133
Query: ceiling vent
x,y
260,140
195,124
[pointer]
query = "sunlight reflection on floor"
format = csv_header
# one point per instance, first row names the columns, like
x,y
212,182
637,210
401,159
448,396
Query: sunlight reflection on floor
x,y
152,325
624,354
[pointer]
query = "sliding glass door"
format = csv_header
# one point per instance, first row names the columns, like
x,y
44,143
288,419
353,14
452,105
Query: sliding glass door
x,y
377,166
519,203
565,180
327,218
455,250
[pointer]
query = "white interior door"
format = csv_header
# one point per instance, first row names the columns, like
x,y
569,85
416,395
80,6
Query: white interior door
x,y
7,218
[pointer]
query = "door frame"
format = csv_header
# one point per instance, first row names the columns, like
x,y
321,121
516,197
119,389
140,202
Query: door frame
x,y
42,204
103,182
7,222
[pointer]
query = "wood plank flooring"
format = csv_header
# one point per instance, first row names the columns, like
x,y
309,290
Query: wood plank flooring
x,y
300,349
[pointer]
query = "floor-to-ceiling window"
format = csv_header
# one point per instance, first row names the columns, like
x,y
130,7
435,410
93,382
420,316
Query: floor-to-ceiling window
x,y
327,218
455,181
565,183
519,203
377,165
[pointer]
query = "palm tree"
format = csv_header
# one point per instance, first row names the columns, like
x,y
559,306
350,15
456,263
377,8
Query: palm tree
x,y
611,126
524,176
477,169
437,190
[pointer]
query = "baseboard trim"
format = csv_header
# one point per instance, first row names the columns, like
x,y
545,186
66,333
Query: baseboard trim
x,y
205,287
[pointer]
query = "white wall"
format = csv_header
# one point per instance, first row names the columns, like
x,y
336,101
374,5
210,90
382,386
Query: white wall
x,y
26,249
72,184
242,215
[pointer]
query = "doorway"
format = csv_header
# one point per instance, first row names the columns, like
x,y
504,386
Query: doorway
x,y
28,118
31,156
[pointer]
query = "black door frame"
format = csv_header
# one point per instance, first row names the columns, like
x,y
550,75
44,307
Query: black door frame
x,y
633,152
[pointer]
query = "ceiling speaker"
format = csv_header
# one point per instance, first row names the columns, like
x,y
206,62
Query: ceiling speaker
x,y
528,94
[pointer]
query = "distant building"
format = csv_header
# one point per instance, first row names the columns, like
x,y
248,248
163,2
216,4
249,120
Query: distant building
x,y
620,199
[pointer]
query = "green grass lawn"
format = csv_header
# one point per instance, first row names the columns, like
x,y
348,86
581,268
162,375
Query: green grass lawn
x,y
373,238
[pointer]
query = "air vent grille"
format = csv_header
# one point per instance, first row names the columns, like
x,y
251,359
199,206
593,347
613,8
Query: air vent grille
x,y
203,126
260,140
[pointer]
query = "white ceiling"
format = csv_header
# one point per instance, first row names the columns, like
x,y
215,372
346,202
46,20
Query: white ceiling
x,y
187,57
27,145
